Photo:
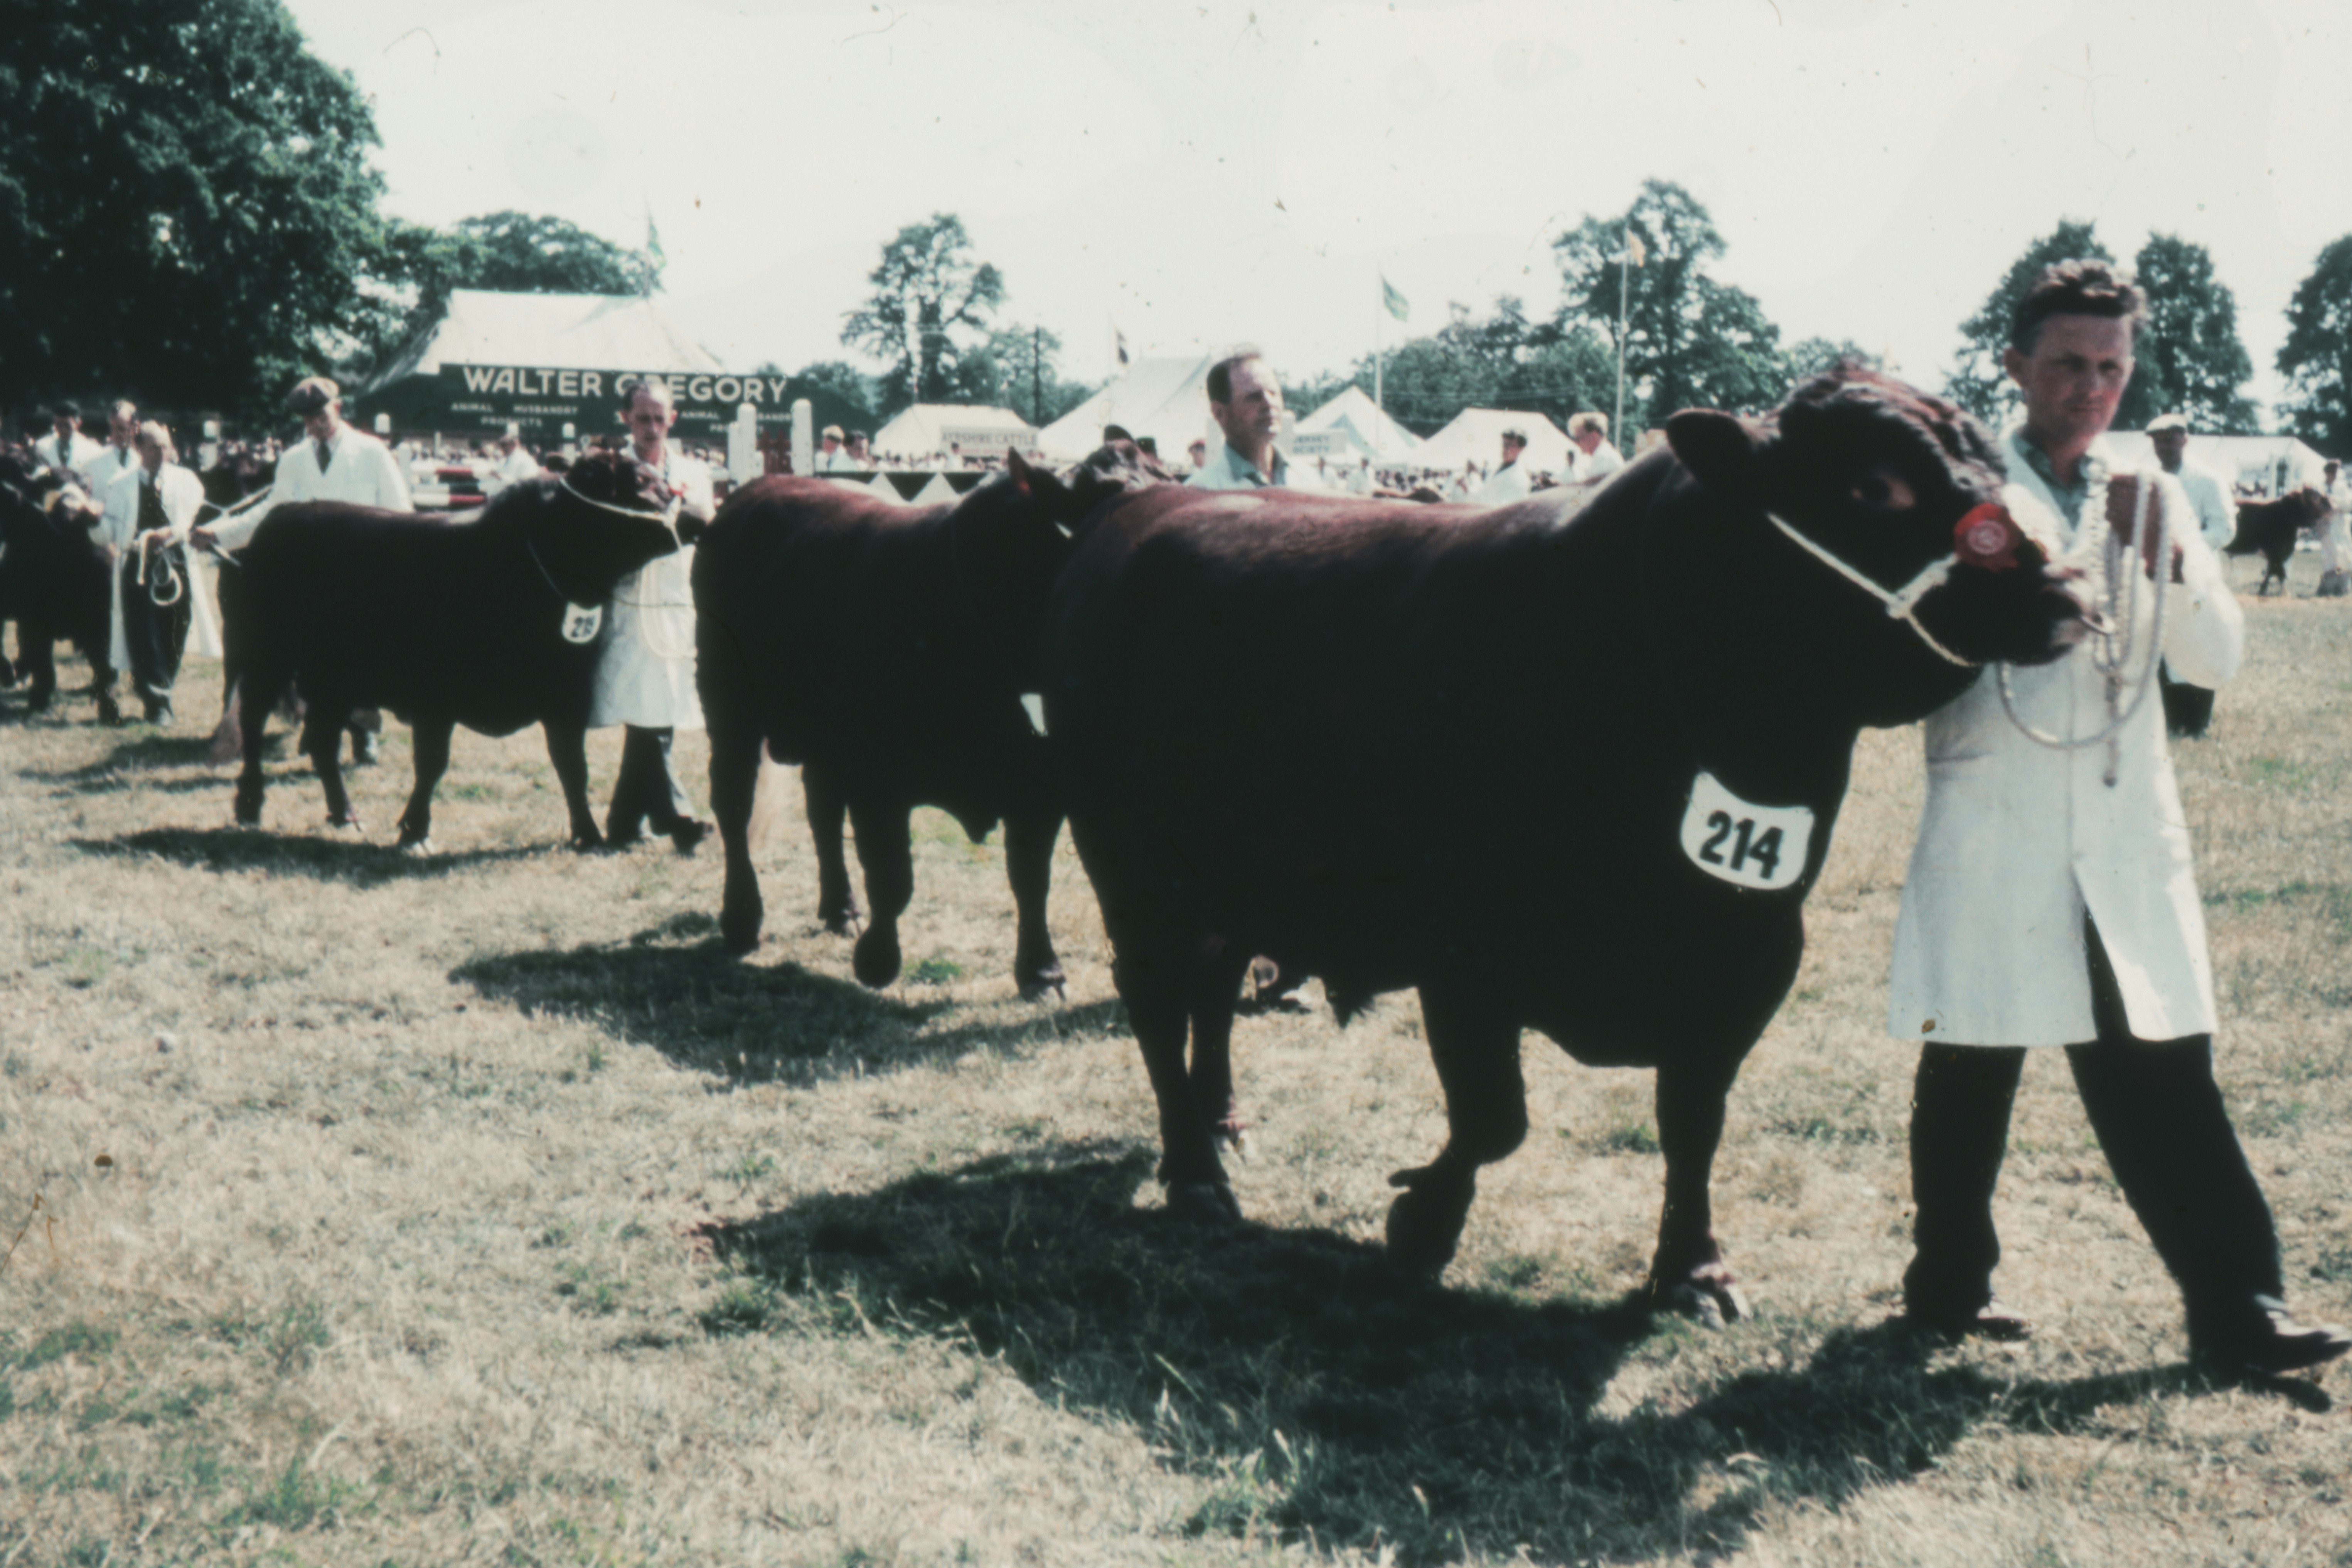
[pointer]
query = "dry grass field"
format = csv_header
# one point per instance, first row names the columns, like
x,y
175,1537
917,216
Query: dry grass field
x,y
477,1208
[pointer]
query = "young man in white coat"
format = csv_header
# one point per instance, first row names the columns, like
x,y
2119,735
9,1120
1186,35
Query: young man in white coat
x,y
2188,710
65,450
1509,482
2050,899
644,674
158,596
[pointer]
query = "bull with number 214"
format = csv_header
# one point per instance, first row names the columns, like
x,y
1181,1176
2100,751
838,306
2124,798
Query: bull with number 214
x,y
1570,771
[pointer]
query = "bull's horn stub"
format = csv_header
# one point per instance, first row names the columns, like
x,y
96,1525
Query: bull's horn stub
x,y
1738,841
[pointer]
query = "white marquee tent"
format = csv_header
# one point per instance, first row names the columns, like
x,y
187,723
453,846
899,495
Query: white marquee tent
x,y
1367,429
2276,462
1476,435
1166,399
566,332
928,427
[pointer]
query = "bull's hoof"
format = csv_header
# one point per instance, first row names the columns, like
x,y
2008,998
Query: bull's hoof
x,y
1036,982
739,932
38,700
1203,1200
416,847
587,841
875,960
1708,1295
841,919
109,711
247,810
1426,1220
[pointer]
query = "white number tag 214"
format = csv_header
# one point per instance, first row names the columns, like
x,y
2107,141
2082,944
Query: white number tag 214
x,y
1748,846
580,621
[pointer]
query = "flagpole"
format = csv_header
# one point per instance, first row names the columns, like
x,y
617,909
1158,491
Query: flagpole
x,y
1379,399
1624,276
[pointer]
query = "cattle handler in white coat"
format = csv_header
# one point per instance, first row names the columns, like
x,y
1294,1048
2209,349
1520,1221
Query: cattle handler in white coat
x,y
2050,899
159,598
645,675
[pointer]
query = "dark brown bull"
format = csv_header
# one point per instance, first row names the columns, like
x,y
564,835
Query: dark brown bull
x,y
885,649
1572,773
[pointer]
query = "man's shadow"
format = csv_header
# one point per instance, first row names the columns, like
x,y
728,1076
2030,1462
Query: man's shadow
x,y
323,859
1324,1394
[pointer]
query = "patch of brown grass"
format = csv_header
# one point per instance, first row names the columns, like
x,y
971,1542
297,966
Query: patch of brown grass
x,y
478,1208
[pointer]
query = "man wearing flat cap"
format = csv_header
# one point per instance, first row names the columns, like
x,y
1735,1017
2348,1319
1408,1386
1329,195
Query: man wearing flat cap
x,y
832,456
333,461
1510,482
2187,710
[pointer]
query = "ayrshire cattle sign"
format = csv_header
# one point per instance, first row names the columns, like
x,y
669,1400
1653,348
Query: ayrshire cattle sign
x,y
541,400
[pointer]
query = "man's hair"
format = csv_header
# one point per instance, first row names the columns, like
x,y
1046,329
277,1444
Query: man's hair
x,y
859,436
123,408
153,430
650,386
64,411
1516,435
1220,374
1578,424
2079,287
312,395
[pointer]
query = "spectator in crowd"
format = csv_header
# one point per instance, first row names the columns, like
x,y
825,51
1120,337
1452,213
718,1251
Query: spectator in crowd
x,y
644,668
832,456
120,454
1245,400
334,461
514,466
2051,899
2188,710
2333,579
1590,432
1197,453
1509,482
157,596
861,454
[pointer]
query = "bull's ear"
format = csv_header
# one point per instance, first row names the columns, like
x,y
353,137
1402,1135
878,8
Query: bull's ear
x,y
1719,450
1018,467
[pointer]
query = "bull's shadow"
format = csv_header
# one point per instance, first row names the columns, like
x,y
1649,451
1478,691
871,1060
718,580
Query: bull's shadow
x,y
291,855
142,763
677,988
1319,1389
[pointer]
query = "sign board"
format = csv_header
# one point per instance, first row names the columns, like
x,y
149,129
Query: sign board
x,y
539,401
1320,444
985,437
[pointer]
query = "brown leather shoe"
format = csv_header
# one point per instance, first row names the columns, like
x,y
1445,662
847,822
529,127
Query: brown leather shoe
x,y
2266,1338
1994,1319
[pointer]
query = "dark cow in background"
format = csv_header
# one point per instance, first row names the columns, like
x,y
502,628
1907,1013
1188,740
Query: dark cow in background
x,y
885,649
2270,528
1572,773
54,585
489,623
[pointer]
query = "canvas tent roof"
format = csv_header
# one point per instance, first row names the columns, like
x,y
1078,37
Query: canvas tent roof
x,y
919,430
1166,399
562,331
1476,435
1374,432
2237,458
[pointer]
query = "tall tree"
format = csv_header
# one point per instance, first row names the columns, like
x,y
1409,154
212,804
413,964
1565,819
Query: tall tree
x,y
926,287
2318,358
1497,361
1019,368
2187,359
1690,339
1809,357
1978,384
188,214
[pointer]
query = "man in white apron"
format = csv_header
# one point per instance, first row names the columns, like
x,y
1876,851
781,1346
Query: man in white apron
x,y
2050,899
158,595
644,672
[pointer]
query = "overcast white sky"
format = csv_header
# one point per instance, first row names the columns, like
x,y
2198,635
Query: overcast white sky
x,y
1201,174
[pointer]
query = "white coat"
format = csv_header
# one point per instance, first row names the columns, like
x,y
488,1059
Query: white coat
x,y
2217,516
644,672
2019,841
1504,486
361,470
76,457
182,495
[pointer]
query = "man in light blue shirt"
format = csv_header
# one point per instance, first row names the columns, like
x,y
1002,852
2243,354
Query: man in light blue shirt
x,y
1245,400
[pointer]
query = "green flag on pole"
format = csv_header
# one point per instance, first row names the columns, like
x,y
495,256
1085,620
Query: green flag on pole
x,y
1395,301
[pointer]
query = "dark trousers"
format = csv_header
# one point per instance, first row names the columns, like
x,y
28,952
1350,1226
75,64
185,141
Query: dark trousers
x,y
646,793
2186,709
2159,1118
155,635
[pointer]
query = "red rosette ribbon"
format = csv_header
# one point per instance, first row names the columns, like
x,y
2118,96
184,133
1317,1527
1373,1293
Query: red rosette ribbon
x,y
1988,537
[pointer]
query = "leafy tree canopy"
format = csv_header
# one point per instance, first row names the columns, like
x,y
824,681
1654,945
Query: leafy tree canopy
x,y
1019,368
2187,359
2318,358
1809,357
510,252
1498,361
926,288
186,209
838,393
1690,340
1978,384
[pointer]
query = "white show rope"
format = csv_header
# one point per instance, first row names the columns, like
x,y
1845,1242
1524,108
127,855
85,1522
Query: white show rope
x,y
1902,603
668,520
2111,654
148,556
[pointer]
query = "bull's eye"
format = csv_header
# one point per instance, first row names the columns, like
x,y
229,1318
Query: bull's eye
x,y
1882,490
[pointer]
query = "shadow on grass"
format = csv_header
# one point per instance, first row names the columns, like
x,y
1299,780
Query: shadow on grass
x,y
135,761
1315,1389
323,859
676,988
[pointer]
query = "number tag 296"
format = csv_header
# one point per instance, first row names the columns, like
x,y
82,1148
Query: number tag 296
x,y
1739,842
